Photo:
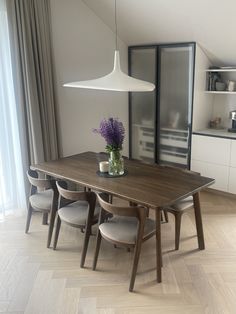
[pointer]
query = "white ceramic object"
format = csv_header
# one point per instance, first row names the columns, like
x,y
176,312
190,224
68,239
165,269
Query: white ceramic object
x,y
231,85
103,166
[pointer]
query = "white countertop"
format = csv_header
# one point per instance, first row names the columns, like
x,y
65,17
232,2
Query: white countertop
x,y
216,132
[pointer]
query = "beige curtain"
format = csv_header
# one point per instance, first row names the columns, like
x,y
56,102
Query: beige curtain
x,y
30,32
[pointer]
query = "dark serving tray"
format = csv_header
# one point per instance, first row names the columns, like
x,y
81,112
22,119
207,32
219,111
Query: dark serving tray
x,y
107,175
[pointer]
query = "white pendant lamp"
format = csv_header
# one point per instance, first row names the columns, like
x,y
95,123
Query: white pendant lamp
x,y
116,80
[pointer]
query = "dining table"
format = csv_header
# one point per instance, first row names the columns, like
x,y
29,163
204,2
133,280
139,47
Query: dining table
x,y
149,185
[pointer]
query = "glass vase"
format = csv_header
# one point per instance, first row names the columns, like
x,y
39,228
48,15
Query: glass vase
x,y
116,163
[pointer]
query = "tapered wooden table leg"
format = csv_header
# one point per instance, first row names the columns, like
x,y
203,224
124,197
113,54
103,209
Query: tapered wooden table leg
x,y
158,243
198,219
53,212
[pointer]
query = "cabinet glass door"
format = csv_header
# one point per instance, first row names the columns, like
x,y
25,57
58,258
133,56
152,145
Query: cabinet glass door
x,y
175,103
143,105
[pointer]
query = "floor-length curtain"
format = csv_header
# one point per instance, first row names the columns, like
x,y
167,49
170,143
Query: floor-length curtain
x,y
30,32
12,190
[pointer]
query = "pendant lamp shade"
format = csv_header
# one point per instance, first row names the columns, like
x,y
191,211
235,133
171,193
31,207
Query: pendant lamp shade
x,y
115,81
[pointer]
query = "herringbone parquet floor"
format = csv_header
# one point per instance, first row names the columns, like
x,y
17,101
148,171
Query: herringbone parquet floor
x,y
34,279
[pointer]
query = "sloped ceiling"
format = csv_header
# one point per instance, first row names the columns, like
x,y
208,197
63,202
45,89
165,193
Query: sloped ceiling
x,y
211,23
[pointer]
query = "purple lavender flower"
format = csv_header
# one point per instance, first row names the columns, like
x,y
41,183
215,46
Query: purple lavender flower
x,y
112,130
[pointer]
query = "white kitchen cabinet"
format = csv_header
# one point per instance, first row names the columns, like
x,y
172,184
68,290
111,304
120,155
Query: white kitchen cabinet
x,y
233,154
218,172
211,149
215,157
232,180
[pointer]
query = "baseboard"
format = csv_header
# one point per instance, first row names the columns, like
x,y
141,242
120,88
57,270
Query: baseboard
x,y
227,194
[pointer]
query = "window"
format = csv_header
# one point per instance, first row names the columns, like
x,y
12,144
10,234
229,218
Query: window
x,y
12,195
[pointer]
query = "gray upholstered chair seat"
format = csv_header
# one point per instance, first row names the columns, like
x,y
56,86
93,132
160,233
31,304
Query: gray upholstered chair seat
x,y
183,204
124,229
76,213
42,200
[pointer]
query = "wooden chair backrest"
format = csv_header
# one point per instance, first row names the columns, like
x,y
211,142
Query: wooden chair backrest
x,y
74,195
129,211
35,181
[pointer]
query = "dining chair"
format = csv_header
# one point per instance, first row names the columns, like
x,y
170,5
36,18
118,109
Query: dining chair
x,y
77,209
179,208
40,198
128,227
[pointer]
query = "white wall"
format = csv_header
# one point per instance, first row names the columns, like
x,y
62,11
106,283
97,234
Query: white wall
x,y
84,49
203,102
211,23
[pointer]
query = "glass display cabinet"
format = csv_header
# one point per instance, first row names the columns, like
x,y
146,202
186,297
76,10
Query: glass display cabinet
x,y
160,121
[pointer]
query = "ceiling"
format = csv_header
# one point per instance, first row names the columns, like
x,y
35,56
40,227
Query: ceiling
x,y
211,23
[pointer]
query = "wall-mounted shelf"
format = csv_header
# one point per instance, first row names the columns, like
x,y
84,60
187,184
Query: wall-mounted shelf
x,y
221,75
222,70
219,92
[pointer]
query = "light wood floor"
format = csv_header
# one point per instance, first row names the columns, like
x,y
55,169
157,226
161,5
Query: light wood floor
x,y
34,279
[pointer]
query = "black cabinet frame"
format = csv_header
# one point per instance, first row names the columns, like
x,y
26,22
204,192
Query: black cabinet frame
x,y
157,47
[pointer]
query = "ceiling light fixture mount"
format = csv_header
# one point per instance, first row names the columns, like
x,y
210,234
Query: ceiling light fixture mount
x,y
117,80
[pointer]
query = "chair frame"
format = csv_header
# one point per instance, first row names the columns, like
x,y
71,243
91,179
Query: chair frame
x,y
67,197
179,212
35,184
132,211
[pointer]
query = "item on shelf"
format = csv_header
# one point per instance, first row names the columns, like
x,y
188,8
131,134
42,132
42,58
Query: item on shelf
x,y
174,146
220,86
214,67
233,67
213,77
230,86
146,142
147,122
174,117
215,123
232,116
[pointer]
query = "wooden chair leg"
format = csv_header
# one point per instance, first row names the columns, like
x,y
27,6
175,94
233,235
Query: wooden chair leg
x,y
53,213
29,215
178,217
45,219
158,244
166,216
58,226
98,244
137,251
88,229
85,245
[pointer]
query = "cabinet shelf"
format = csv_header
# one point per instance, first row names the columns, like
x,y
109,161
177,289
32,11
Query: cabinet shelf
x,y
222,70
219,92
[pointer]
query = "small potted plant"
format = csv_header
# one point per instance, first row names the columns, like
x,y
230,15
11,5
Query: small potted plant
x,y
113,131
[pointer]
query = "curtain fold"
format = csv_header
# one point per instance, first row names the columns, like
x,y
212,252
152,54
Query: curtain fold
x,y
30,33
12,188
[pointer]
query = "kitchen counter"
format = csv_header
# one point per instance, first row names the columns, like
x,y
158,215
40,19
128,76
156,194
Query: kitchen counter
x,y
216,133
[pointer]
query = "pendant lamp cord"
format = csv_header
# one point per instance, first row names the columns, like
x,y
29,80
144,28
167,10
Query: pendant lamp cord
x,y
116,26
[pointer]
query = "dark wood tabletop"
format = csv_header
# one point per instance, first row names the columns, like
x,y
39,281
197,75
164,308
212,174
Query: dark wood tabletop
x,y
149,185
